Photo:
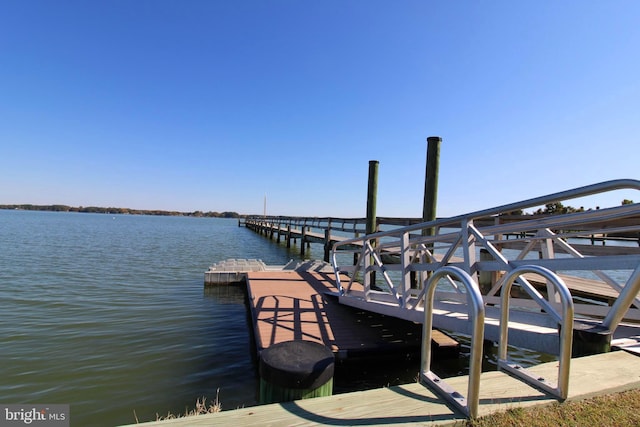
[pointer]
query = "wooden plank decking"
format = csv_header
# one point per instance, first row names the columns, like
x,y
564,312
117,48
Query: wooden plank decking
x,y
288,305
581,287
413,404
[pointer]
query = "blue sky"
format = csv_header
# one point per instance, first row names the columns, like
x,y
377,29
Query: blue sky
x,y
210,105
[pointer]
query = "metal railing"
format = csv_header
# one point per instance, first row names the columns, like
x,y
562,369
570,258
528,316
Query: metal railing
x,y
393,266
395,273
469,404
564,319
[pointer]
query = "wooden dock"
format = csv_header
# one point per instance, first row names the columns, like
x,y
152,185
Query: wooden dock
x,y
288,305
414,404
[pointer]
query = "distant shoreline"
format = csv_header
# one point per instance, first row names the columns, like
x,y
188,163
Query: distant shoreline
x,y
122,211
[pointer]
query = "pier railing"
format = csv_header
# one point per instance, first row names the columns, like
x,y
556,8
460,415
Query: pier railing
x,y
353,225
391,267
348,225
323,230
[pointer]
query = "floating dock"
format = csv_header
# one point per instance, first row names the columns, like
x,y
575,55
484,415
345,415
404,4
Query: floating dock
x,y
294,302
236,270
232,271
296,305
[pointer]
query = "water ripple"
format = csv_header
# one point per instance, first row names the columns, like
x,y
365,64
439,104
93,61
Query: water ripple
x,y
109,315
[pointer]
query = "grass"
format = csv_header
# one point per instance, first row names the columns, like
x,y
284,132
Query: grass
x,y
201,408
613,410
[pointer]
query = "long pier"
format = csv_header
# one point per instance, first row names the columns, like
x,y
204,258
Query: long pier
x,y
323,230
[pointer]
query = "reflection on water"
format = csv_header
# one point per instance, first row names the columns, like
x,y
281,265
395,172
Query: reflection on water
x,y
227,294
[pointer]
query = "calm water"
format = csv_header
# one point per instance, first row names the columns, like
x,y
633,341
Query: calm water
x,y
108,313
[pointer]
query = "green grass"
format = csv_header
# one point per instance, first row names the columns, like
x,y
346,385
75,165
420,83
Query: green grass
x,y
614,410
200,408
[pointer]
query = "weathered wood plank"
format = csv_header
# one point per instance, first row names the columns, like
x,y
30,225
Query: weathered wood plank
x,y
414,404
287,305
582,287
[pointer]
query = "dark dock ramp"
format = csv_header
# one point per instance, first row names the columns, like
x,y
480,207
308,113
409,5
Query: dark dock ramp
x,y
295,305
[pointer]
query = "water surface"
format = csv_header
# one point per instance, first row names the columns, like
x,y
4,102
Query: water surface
x,y
108,313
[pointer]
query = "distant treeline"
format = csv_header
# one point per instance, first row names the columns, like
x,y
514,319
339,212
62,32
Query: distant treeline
x,y
558,208
123,211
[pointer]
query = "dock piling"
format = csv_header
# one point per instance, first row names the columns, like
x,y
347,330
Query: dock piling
x,y
303,239
431,181
327,245
372,196
372,199
296,369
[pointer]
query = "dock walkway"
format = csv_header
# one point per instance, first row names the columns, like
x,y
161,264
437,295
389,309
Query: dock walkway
x,y
288,305
413,404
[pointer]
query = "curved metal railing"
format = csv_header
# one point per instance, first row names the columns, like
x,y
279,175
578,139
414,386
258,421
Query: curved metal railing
x,y
564,319
393,266
469,404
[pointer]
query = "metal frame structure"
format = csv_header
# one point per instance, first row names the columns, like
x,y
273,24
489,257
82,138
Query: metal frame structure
x,y
395,273
469,404
564,319
402,259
